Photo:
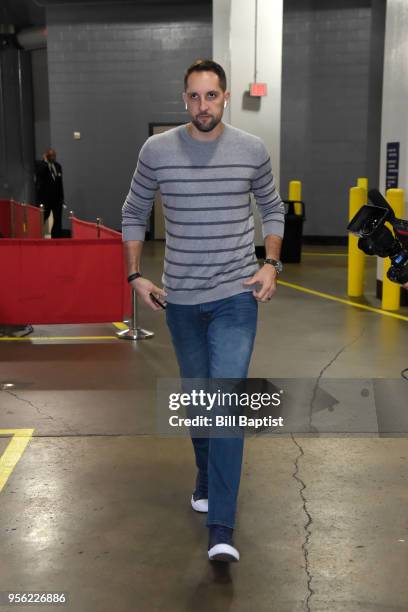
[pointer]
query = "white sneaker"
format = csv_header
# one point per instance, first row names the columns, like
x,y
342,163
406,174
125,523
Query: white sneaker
x,y
220,546
223,552
199,505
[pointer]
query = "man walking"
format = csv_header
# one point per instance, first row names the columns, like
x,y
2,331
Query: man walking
x,y
205,171
50,190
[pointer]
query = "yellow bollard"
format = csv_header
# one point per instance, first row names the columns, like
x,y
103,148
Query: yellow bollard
x,y
391,292
295,194
362,182
356,258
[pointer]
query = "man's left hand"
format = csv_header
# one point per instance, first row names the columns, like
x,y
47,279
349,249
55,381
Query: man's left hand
x,y
405,286
266,277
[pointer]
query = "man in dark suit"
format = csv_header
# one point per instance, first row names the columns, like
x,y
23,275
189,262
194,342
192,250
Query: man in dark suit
x,y
50,190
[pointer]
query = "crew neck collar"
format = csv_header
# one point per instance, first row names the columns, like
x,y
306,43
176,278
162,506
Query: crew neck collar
x,y
194,141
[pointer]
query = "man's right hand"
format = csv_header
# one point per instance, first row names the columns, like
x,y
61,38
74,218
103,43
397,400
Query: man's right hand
x,y
144,287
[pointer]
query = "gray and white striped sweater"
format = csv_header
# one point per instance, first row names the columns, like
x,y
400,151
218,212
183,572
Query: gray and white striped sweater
x,y
205,189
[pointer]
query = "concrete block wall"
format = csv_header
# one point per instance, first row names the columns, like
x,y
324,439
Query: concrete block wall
x,y
326,105
113,69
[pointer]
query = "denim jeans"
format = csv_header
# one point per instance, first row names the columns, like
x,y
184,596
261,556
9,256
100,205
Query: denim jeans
x,y
215,340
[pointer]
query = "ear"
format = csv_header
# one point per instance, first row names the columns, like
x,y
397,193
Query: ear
x,y
227,96
184,96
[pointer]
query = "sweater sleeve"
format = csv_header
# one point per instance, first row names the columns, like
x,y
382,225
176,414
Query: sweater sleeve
x,y
268,200
139,201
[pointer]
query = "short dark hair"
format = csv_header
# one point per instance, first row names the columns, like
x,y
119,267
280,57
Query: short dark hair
x,y
201,65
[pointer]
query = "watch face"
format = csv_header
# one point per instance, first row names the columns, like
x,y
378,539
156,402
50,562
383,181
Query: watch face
x,y
276,263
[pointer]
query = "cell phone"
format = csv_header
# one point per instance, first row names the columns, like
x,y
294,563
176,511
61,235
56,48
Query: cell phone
x,y
156,301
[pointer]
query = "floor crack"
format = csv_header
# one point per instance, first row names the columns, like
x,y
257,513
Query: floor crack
x,y
38,409
306,526
323,370
302,485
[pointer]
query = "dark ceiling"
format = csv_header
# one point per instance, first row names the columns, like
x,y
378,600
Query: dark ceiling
x,y
69,2
24,13
21,13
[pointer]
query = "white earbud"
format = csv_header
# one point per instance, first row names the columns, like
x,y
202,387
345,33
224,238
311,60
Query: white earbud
x,y
225,104
186,106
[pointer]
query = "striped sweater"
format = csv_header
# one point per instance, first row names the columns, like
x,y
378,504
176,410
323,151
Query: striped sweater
x,y
205,189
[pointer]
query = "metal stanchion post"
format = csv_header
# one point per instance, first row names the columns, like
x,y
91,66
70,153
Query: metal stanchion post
x,y
71,216
99,222
25,223
64,208
12,219
42,220
134,332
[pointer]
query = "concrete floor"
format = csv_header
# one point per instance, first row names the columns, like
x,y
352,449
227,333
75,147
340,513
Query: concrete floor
x,y
98,503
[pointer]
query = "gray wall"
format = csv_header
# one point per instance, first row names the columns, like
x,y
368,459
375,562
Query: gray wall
x,y
112,71
331,104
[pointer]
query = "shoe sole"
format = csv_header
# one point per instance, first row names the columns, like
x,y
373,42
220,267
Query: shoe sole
x,y
199,505
223,552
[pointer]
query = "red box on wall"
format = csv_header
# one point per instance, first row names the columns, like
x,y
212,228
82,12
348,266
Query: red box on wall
x,y
258,89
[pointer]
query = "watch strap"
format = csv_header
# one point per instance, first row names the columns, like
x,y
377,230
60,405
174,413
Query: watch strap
x,y
133,276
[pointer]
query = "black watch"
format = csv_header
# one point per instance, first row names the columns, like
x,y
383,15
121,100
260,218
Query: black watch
x,y
276,263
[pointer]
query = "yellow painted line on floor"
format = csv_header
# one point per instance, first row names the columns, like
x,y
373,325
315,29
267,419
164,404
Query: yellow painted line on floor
x,y
328,296
325,254
13,452
30,338
120,326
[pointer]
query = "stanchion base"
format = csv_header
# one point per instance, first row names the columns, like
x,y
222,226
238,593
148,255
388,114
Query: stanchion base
x,y
135,334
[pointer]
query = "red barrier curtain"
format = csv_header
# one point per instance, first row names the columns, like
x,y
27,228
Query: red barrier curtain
x,y
86,229
25,218
82,230
19,220
62,281
107,232
5,218
34,221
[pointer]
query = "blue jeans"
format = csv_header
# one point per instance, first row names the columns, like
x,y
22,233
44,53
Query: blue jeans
x,y
215,340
